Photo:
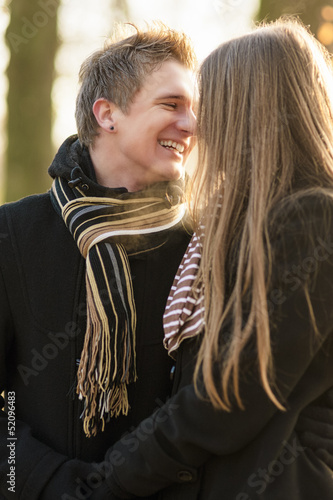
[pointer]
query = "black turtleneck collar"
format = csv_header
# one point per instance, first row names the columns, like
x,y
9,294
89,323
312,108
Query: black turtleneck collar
x,y
73,163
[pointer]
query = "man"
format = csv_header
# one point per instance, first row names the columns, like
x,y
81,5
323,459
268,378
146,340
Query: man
x,y
86,268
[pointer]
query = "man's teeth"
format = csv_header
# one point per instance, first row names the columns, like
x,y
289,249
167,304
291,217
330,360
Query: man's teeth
x,y
172,145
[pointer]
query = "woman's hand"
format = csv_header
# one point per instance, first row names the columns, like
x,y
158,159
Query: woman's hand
x,y
315,427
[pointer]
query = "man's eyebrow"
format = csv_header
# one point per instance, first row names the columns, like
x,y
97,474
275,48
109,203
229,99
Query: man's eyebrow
x,y
169,96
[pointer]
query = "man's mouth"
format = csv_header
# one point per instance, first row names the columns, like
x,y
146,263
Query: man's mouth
x,y
172,145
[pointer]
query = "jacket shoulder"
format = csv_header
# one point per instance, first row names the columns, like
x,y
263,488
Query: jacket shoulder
x,y
301,238
26,206
32,222
310,212
29,212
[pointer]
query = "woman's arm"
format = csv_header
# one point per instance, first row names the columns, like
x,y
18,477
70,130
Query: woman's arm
x,y
315,427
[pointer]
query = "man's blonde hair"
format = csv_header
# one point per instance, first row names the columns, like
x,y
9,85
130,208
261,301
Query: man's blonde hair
x,y
119,70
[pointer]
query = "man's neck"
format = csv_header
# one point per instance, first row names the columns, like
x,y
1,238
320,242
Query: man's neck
x,y
111,176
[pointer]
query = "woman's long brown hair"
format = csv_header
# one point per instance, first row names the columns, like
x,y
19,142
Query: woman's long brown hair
x,y
265,118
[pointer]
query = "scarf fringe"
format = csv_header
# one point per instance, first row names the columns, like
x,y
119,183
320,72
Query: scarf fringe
x,y
103,375
111,403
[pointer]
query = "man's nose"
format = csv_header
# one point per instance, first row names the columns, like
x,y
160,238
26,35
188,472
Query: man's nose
x,y
188,122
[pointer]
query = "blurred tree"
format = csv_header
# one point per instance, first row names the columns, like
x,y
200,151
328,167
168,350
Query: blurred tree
x,y
32,40
318,14
121,10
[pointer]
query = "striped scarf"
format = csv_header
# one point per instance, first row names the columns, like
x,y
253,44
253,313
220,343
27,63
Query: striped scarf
x,y
184,313
102,228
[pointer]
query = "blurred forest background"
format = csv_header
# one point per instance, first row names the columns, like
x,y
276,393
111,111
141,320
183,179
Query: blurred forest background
x,y
47,39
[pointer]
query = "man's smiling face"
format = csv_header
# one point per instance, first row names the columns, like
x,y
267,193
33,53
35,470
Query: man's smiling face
x,y
154,138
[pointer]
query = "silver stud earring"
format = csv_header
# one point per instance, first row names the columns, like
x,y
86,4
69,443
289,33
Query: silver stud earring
x,y
112,127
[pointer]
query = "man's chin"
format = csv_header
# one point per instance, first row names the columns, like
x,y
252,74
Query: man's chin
x,y
175,174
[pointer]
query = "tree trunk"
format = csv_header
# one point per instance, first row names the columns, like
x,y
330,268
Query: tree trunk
x,y
32,40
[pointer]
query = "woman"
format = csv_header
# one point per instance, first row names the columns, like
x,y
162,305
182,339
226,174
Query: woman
x,y
265,182
255,330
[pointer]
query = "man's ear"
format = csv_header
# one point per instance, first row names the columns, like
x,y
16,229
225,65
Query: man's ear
x,y
103,112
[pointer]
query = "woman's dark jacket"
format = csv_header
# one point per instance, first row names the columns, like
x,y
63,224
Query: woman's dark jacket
x,y
188,450
42,326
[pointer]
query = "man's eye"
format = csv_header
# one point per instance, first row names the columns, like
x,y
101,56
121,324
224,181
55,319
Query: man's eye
x,y
170,105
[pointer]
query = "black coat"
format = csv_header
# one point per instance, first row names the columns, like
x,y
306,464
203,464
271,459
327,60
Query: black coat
x,y
42,326
188,450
